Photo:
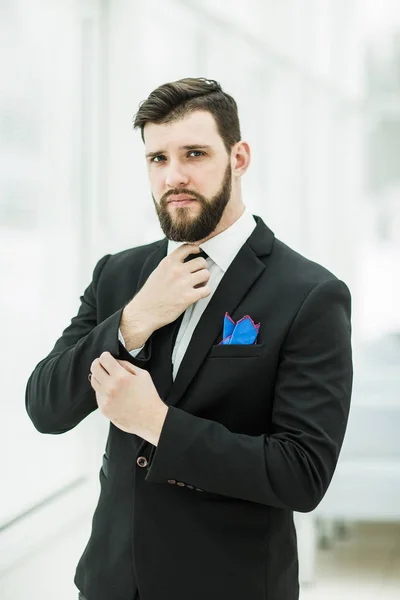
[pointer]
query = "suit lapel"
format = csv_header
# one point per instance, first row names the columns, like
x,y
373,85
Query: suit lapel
x,y
152,262
241,275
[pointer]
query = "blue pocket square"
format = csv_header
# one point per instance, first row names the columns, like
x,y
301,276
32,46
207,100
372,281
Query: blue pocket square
x,y
245,331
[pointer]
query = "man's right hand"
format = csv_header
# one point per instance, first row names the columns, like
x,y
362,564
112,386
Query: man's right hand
x,y
168,292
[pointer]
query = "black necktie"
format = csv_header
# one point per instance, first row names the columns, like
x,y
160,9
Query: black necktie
x,y
180,318
192,256
162,348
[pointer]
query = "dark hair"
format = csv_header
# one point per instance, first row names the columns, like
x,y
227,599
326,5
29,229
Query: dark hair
x,y
175,100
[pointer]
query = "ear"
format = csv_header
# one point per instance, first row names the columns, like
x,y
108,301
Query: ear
x,y
240,157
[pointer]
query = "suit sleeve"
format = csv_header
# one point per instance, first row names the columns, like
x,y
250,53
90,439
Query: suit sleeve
x,y
58,393
292,466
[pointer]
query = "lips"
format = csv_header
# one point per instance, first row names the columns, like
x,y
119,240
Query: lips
x,y
180,198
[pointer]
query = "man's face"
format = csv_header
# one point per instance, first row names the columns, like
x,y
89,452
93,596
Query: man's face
x,y
190,175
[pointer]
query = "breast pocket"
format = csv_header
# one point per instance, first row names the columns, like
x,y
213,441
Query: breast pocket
x,y
237,351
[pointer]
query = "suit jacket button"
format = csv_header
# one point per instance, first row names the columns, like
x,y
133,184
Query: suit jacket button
x,y
199,490
171,481
142,461
190,487
180,483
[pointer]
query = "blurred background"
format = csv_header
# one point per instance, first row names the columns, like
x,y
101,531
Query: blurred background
x,y
318,88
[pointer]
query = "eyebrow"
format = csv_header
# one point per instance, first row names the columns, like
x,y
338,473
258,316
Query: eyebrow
x,y
187,147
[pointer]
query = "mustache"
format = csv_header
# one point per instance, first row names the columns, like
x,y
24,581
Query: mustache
x,y
175,192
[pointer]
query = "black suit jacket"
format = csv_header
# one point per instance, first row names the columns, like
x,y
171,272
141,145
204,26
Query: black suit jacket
x,y
252,433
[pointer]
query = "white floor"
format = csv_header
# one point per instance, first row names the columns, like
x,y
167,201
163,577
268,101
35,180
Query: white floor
x,y
365,566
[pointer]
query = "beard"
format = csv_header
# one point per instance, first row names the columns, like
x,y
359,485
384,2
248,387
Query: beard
x,y
178,225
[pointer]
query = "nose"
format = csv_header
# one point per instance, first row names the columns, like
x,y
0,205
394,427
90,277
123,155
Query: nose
x,y
176,176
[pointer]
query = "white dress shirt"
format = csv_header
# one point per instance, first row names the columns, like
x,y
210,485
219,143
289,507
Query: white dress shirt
x,y
221,250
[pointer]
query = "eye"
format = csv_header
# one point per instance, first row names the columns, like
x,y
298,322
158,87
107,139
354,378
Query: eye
x,y
197,152
155,159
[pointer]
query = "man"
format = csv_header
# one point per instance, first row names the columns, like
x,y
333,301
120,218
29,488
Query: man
x,y
215,439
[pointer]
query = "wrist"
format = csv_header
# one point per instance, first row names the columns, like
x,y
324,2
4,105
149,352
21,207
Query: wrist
x,y
135,327
157,423
138,310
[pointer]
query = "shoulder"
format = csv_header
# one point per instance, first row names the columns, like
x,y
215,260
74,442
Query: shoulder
x,y
297,268
131,259
138,254
298,278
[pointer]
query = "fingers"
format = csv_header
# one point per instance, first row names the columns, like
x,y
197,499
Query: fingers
x,y
94,383
200,278
128,366
183,251
109,363
107,366
98,372
104,366
196,264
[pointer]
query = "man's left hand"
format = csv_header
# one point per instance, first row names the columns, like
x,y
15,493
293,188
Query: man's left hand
x,y
127,396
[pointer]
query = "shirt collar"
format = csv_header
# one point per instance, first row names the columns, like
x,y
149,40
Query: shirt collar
x,y
222,248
